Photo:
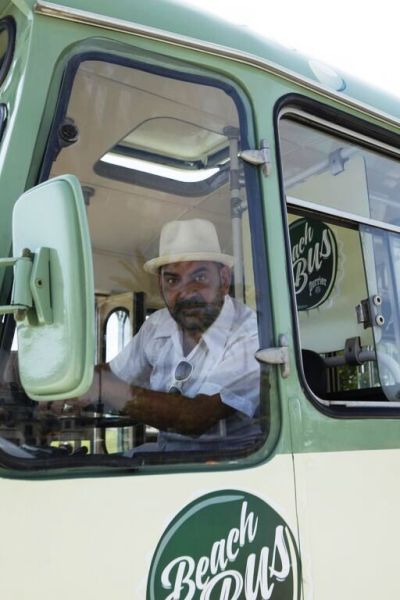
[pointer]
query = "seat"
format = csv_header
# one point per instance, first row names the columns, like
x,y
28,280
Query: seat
x,y
315,372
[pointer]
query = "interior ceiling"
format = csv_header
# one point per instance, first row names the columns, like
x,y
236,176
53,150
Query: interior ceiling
x,y
107,103
175,138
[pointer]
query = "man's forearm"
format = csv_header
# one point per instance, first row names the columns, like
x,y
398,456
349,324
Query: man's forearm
x,y
188,416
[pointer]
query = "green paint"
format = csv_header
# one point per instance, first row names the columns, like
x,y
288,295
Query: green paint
x,y
177,17
228,544
56,359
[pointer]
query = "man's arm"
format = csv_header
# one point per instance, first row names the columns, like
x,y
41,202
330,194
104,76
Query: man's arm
x,y
188,416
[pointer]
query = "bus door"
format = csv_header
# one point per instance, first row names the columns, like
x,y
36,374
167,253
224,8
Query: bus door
x,y
341,189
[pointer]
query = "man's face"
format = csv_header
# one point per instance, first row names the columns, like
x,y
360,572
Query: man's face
x,y
194,292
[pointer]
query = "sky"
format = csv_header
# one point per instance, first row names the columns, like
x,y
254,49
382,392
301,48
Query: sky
x,y
360,37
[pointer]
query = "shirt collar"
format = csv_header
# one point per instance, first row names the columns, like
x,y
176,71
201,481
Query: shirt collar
x,y
215,337
167,326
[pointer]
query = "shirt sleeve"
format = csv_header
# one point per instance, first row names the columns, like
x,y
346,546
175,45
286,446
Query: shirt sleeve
x,y
236,378
131,364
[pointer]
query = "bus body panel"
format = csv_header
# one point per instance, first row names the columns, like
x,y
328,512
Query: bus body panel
x,y
347,505
326,481
96,537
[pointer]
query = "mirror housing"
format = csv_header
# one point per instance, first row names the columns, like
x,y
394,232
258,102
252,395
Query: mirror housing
x,y
55,322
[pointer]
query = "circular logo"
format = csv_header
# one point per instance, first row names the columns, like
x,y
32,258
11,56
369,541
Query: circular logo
x,y
314,261
228,545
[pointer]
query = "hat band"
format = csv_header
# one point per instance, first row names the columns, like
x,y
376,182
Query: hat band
x,y
152,266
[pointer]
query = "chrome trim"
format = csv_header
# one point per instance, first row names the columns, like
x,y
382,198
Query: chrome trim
x,y
50,9
353,403
352,218
361,404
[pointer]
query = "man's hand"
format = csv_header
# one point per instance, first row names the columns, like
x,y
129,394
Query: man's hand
x,y
62,408
72,407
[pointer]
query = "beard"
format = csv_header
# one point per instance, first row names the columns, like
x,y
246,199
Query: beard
x,y
196,315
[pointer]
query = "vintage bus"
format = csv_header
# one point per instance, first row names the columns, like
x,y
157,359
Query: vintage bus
x,y
117,118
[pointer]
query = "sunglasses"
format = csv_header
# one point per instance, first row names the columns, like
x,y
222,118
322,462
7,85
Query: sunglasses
x,y
183,371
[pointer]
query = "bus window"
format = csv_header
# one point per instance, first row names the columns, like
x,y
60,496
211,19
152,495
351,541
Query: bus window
x,y
343,216
117,332
168,212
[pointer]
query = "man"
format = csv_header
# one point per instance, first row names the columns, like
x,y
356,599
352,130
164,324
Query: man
x,y
190,371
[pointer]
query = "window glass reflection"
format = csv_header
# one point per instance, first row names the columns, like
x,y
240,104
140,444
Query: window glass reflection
x,y
118,332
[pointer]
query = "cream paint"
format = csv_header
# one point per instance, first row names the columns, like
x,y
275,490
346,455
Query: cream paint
x,y
348,510
95,538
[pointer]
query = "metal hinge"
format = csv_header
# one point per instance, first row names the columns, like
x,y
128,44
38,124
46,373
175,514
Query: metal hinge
x,y
259,157
276,356
369,312
31,285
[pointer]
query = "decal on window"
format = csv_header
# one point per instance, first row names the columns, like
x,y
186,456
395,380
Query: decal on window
x,y
314,261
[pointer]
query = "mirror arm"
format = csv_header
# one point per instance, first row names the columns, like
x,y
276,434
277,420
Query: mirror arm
x,y
31,285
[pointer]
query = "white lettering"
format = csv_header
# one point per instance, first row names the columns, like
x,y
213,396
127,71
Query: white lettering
x,y
280,549
247,526
308,233
233,537
217,557
326,247
314,261
229,579
298,248
202,568
257,586
184,576
300,275
318,282
183,579
307,259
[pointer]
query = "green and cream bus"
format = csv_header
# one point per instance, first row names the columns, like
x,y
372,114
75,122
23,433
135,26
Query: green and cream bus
x,y
116,118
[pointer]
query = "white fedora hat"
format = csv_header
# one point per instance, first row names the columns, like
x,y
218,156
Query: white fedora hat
x,y
181,241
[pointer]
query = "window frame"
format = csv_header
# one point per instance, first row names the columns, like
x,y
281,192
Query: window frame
x,y
7,23
3,119
178,462
105,325
245,112
324,118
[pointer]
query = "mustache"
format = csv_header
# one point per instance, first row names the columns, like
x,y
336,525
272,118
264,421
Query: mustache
x,y
203,315
188,304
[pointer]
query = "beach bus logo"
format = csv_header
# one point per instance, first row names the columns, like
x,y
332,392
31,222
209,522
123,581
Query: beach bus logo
x,y
314,261
228,545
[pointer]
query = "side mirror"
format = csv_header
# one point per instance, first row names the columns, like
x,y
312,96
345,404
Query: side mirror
x,y
53,293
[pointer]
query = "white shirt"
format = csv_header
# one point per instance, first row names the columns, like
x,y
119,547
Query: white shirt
x,y
223,363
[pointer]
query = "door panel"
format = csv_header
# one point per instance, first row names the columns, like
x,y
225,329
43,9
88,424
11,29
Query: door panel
x,y
347,510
